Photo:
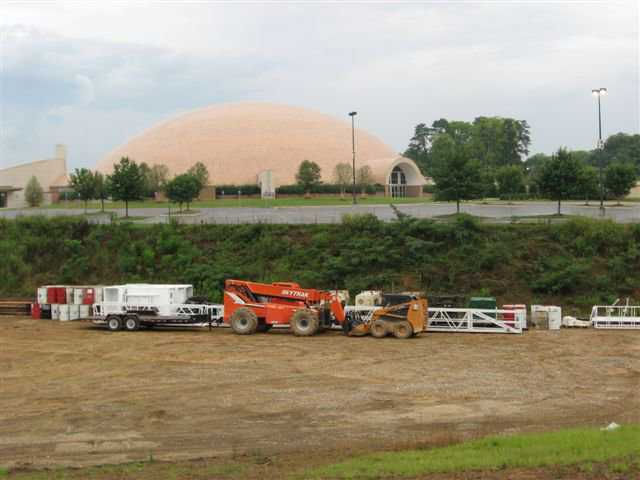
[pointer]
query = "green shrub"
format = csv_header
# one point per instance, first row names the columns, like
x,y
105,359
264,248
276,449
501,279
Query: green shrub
x,y
580,260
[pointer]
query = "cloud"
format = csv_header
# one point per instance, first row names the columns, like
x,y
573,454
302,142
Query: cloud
x,y
66,78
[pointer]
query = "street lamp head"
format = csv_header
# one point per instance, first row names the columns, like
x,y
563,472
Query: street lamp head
x,y
353,114
596,92
603,91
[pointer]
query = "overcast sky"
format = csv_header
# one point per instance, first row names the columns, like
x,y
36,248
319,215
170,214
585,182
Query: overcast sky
x,y
93,74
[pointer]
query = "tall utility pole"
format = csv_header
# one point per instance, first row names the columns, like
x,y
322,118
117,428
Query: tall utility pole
x,y
599,92
353,146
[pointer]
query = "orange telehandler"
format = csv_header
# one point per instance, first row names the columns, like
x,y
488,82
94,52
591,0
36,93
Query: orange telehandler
x,y
251,307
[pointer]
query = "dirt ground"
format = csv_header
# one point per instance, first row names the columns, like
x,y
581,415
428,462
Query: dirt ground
x,y
73,394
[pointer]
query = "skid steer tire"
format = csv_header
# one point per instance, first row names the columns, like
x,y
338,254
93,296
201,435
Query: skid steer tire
x,y
305,323
403,330
379,329
244,321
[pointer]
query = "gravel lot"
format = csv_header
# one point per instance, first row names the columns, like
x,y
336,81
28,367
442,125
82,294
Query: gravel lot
x,y
74,394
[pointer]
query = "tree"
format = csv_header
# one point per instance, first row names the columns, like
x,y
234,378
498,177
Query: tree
x,y
158,176
364,178
623,148
510,180
145,171
183,189
559,177
456,175
343,176
200,172
33,193
619,179
419,149
83,183
588,183
101,188
308,175
126,183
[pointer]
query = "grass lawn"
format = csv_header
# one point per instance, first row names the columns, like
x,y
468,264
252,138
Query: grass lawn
x,y
248,202
588,449
566,447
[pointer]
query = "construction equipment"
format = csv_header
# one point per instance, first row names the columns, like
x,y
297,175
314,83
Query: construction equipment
x,y
401,315
251,307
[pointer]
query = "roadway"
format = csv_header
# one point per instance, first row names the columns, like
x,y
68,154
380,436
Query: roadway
x,y
498,212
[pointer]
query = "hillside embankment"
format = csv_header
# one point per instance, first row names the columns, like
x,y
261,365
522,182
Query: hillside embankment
x,y
575,264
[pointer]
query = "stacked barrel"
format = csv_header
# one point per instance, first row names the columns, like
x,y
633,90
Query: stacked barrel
x,y
65,302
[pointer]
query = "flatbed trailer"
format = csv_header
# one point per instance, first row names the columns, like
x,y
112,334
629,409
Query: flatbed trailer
x,y
132,317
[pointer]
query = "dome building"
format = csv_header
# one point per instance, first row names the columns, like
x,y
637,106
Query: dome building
x,y
239,141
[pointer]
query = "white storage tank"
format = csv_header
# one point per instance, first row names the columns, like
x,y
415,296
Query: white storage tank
x,y
98,295
546,316
369,298
55,311
85,311
64,313
78,296
42,295
70,291
74,312
160,297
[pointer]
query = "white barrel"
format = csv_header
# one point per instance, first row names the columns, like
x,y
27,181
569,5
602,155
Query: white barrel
x,y
55,311
74,312
64,313
42,295
69,295
85,311
78,296
98,294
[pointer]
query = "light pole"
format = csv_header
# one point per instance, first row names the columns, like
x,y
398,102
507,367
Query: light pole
x,y
353,146
599,92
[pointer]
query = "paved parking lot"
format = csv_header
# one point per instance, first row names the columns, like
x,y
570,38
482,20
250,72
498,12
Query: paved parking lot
x,y
500,212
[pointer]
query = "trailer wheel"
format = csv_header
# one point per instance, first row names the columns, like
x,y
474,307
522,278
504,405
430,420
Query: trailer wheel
x,y
305,323
403,330
379,329
131,323
114,323
244,321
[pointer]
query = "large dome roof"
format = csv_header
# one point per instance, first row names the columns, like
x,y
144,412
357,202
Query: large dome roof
x,y
237,141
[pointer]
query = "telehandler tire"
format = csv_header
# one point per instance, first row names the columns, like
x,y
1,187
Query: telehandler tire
x,y
244,321
305,323
379,329
403,330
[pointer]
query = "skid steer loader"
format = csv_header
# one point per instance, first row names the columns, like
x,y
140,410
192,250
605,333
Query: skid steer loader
x,y
402,316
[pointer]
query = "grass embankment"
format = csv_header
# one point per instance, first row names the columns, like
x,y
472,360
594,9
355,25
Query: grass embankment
x,y
590,451
246,202
578,263
566,447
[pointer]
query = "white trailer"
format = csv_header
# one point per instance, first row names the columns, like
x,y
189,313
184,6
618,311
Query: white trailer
x,y
132,306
